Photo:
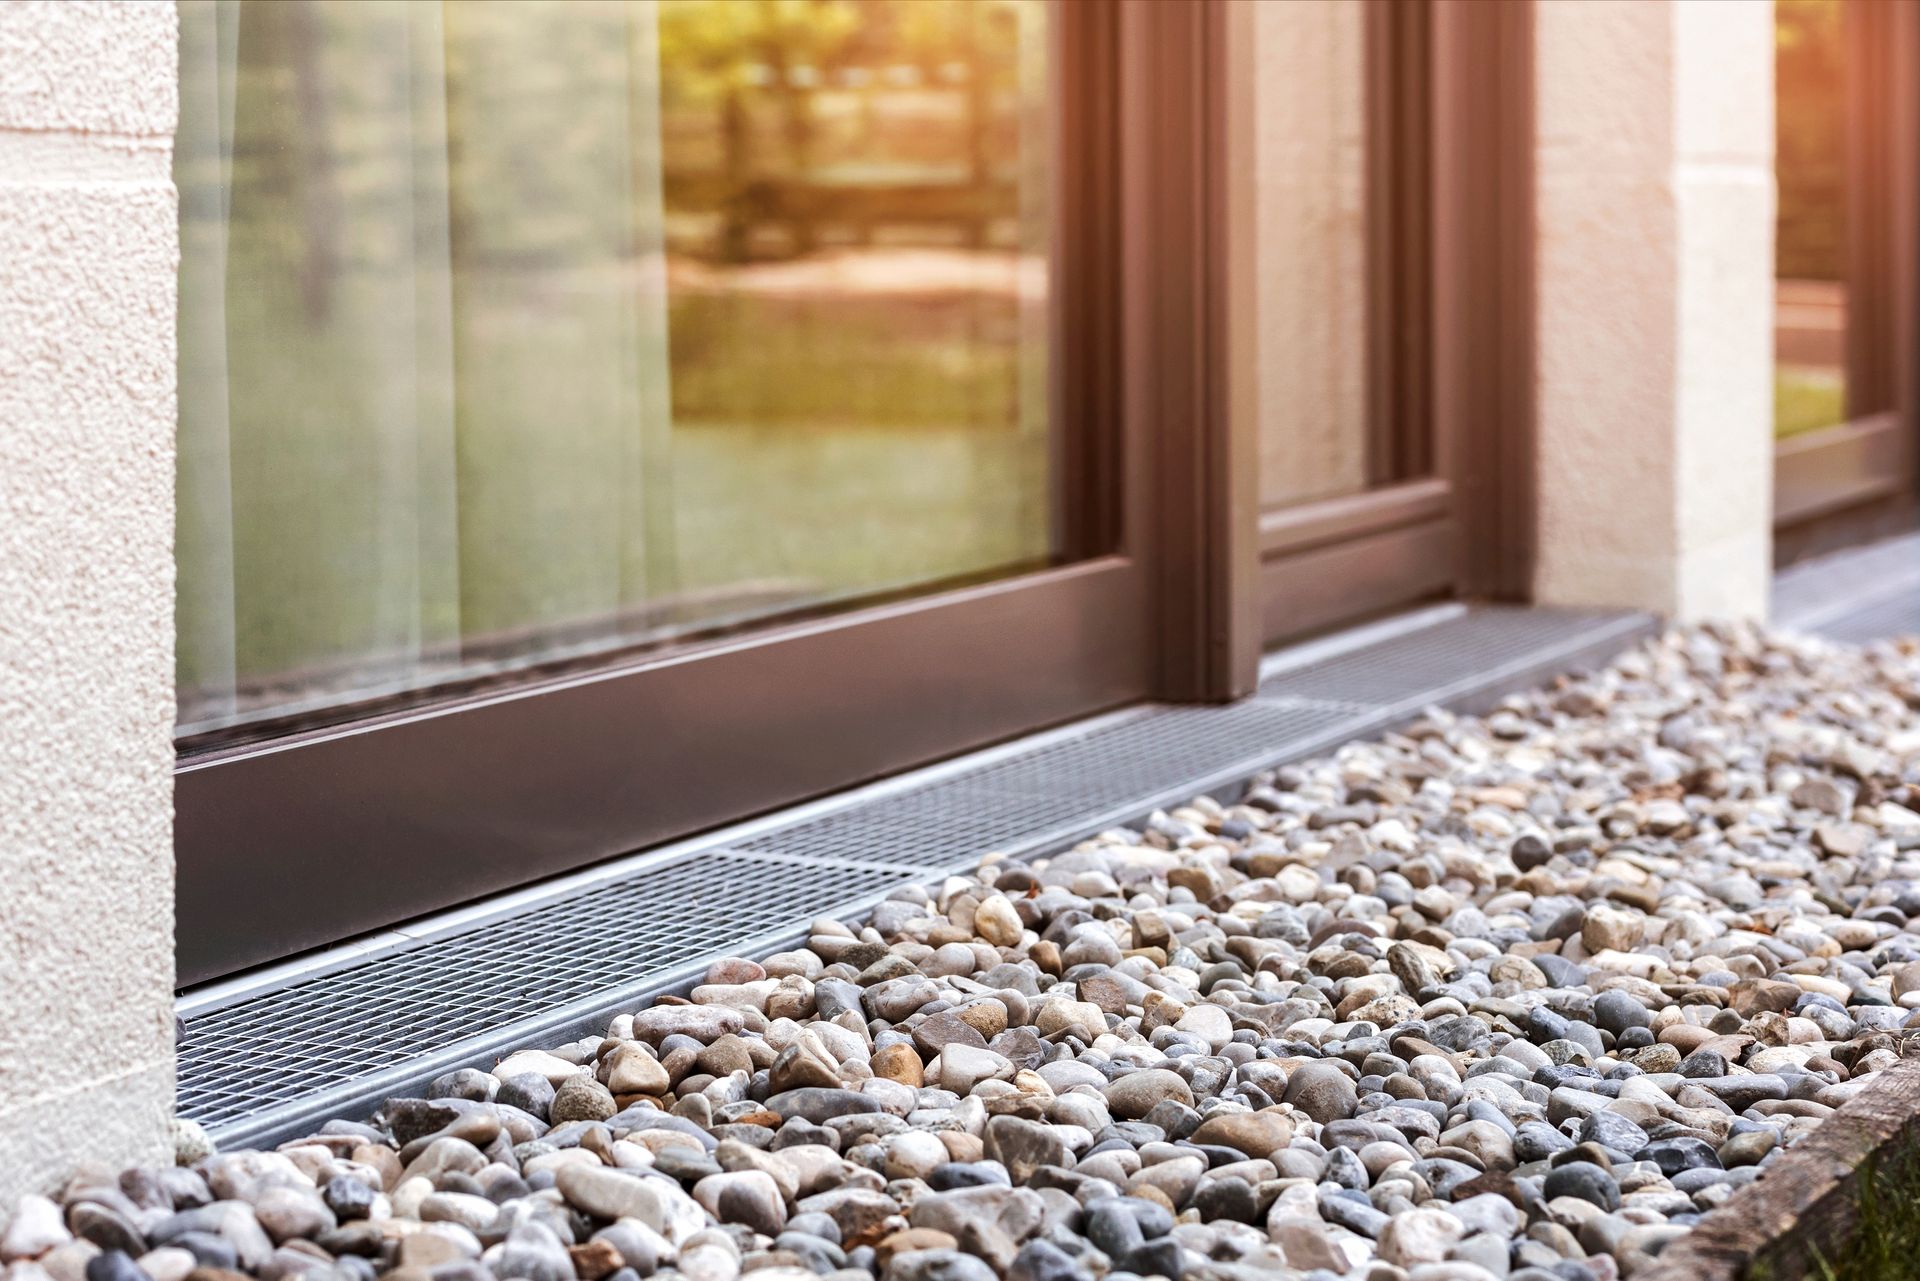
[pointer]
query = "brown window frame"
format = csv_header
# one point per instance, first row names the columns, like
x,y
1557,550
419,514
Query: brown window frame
x,y
335,830
1858,479
1449,101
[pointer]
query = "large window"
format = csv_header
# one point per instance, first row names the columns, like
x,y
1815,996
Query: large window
x,y
605,419
1845,288
1310,130
515,332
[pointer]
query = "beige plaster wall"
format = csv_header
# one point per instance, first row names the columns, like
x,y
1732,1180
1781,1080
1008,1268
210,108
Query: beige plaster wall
x,y
1655,209
87,266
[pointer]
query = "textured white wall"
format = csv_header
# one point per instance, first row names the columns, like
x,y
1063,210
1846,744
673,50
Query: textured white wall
x,y
1655,208
87,272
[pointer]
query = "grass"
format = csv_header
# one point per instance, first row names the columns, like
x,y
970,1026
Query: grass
x,y
1885,1245
1806,399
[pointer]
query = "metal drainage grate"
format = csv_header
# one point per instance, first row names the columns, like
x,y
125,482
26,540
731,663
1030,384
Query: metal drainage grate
x,y
258,1065
1420,667
1075,786
1179,751
282,1047
1881,620
1843,581
935,828
1858,595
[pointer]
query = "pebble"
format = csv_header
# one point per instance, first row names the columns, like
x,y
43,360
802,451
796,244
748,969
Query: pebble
x,y
36,1227
581,1098
1322,1090
1517,995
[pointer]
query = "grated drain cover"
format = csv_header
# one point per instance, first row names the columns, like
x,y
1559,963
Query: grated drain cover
x,y
1884,620
266,1064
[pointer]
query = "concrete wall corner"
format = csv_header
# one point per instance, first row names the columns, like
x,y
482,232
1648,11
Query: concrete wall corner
x,y
1655,214
88,261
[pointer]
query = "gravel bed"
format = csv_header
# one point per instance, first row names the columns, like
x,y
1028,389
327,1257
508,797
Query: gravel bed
x,y
1516,996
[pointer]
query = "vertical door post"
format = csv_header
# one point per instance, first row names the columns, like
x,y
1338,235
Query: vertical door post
x,y
1181,323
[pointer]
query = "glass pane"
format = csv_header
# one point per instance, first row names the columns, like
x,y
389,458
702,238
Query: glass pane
x,y
1810,298
516,332
1311,254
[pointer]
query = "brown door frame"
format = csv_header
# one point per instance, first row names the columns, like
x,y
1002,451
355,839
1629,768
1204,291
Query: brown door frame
x,y
1188,312
1858,479
1484,400
1450,321
333,830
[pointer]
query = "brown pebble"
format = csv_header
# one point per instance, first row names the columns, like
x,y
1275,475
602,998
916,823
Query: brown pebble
x,y
909,1240
899,1063
988,1017
727,1054
1686,1037
382,1158
581,1098
735,969
1148,1192
763,1116
594,1260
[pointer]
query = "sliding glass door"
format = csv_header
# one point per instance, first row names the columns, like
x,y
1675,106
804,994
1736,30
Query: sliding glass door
x,y
603,419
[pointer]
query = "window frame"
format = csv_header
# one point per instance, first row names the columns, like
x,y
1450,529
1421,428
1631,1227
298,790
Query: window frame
x,y
338,830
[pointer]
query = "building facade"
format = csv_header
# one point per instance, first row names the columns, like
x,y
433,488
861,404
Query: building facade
x,y
447,445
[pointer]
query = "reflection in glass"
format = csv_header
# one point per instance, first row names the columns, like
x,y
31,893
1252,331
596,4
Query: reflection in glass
x,y
511,332
1311,257
1810,298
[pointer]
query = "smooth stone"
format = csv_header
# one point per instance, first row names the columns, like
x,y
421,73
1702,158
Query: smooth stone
x,y
1322,1091
1419,1236
1584,1180
1255,1133
1134,1095
747,1197
35,1228
1025,1146
614,1194
581,1098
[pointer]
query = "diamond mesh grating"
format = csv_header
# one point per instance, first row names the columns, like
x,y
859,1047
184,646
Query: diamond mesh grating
x,y
1839,584
1424,664
1181,749
1883,620
280,1046
1079,784
263,1066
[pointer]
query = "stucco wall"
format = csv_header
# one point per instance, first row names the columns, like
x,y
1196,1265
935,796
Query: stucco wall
x,y
87,268
1655,209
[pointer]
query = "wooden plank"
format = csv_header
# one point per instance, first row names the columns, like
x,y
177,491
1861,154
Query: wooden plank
x,y
1807,1199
